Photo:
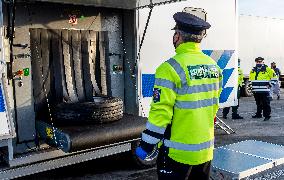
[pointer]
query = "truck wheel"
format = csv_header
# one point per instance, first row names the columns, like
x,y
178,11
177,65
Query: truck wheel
x,y
247,89
150,161
102,110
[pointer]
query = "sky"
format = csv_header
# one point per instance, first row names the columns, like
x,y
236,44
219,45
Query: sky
x,y
264,8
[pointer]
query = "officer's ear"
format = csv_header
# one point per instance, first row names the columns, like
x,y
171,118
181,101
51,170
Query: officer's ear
x,y
180,37
176,37
176,33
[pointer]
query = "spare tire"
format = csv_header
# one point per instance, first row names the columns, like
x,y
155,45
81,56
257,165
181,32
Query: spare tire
x,y
102,110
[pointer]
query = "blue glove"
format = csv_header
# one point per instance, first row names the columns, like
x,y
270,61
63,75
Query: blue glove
x,y
141,153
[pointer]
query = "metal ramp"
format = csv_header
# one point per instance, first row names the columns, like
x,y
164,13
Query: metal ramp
x,y
244,159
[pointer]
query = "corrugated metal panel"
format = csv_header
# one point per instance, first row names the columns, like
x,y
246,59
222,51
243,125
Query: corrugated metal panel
x,y
124,4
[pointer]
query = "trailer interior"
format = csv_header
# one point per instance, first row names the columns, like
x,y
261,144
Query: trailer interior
x,y
72,82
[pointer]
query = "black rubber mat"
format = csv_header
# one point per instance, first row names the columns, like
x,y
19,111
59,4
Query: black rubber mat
x,y
90,136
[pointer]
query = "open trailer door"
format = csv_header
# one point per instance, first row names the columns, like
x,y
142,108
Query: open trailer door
x,y
6,124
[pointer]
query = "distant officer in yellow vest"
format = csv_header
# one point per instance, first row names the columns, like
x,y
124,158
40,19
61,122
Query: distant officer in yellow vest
x,y
185,102
261,77
275,89
226,110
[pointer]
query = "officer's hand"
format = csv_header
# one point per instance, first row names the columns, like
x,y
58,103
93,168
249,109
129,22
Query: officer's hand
x,y
141,153
144,149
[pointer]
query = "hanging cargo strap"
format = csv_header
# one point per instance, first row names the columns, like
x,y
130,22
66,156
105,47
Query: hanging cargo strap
x,y
52,130
96,88
92,50
102,48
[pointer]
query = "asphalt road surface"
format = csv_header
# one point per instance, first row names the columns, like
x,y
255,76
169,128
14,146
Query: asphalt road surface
x,y
121,167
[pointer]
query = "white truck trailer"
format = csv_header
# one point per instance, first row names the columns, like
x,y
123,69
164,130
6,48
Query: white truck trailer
x,y
69,67
260,36
220,43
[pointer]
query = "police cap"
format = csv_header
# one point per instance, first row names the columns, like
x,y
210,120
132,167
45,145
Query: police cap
x,y
189,23
259,59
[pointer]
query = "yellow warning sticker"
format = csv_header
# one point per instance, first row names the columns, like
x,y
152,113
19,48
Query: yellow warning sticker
x,y
49,132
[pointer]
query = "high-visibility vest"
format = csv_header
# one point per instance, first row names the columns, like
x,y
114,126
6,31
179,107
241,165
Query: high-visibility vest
x,y
186,97
275,78
240,76
262,79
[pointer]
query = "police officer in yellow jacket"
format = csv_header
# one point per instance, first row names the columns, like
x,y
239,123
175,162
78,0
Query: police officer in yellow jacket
x,y
226,110
260,77
185,102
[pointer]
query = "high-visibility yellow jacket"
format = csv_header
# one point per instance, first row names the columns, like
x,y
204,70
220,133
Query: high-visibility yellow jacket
x,y
262,79
186,99
240,76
